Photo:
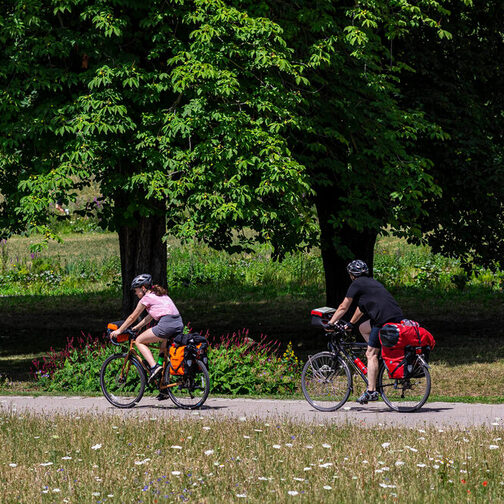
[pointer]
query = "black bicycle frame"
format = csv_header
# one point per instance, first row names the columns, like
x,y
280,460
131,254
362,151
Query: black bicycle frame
x,y
349,353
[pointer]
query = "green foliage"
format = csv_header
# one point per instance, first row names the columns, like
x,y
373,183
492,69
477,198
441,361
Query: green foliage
x,y
75,368
239,114
454,84
78,372
35,273
356,137
399,265
179,102
192,267
237,366
76,224
199,265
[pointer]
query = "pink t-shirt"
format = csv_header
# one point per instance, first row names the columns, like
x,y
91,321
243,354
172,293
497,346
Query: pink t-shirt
x,y
158,306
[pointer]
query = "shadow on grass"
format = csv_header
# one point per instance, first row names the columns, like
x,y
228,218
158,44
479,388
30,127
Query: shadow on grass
x,y
466,324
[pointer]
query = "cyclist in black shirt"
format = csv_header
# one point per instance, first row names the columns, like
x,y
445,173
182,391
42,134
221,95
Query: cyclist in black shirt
x,y
378,304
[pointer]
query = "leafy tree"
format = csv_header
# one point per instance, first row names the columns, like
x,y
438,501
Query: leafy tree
x,y
456,84
358,139
209,113
176,108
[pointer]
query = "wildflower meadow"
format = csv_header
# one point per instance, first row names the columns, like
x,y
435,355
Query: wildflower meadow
x,y
115,459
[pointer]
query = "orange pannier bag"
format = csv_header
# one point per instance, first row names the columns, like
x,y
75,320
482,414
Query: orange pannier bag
x,y
122,337
177,359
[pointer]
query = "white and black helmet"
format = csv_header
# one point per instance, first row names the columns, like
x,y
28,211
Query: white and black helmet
x,y
358,268
143,279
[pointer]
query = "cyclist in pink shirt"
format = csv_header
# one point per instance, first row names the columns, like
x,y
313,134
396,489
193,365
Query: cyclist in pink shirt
x,y
161,308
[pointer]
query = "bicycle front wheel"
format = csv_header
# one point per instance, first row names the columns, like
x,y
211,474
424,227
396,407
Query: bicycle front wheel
x,y
405,394
122,380
326,381
190,390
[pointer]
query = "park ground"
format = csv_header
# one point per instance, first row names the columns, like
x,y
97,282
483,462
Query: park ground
x,y
272,299
148,456
155,453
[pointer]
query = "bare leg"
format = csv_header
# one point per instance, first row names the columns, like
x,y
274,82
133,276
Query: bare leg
x,y
365,330
372,364
164,346
141,343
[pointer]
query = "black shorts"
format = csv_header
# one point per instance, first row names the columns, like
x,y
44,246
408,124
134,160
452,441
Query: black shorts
x,y
374,336
374,339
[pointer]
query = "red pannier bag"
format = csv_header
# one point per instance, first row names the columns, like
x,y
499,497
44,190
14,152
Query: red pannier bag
x,y
398,341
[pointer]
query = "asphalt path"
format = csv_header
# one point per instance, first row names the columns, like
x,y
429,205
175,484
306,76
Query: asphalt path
x,y
439,414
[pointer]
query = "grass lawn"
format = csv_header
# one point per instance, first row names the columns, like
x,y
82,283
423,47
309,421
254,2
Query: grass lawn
x,y
468,361
90,459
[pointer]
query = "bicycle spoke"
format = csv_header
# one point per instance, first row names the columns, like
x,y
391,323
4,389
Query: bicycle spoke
x,y
190,391
122,383
406,394
326,381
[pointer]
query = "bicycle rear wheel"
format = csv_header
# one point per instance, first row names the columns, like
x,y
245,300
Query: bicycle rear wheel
x,y
122,381
190,390
326,381
405,394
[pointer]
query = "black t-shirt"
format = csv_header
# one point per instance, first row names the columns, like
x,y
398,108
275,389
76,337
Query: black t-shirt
x,y
374,301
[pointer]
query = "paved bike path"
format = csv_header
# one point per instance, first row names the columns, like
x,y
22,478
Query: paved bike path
x,y
440,414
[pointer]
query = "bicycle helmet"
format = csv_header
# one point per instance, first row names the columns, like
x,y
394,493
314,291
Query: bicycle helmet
x,y
143,279
358,268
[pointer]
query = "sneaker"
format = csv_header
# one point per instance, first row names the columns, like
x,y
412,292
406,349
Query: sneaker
x,y
154,371
368,396
162,396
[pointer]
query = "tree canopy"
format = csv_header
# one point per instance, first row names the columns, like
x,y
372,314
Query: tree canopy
x,y
178,102
455,84
206,118
358,138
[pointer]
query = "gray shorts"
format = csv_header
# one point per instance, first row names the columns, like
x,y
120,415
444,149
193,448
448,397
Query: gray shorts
x,y
168,326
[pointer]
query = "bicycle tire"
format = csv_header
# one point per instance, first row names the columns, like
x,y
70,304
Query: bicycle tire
x,y
188,391
405,394
119,391
321,381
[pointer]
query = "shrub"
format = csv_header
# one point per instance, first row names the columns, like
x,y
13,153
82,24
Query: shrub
x,y
190,266
238,365
76,368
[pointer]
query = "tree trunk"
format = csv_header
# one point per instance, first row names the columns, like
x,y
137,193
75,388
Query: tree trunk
x,y
142,251
339,247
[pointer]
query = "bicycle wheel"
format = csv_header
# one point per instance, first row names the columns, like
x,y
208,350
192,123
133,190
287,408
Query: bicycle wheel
x,y
122,382
190,390
326,381
405,394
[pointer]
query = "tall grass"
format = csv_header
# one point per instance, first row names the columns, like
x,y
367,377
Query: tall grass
x,y
116,459
90,263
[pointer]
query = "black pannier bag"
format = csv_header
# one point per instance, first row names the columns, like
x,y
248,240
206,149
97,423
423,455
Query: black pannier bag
x,y
389,335
321,316
196,348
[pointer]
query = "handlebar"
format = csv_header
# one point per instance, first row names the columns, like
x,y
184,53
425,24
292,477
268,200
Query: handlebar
x,y
339,327
131,335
